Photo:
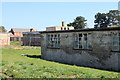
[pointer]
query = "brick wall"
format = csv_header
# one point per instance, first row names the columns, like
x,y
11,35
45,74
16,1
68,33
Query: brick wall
x,y
4,39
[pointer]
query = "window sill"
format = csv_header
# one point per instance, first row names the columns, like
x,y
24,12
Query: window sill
x,y
84,49
52,48
115,51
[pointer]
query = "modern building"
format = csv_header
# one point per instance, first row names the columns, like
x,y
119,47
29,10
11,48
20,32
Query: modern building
x,y
57,28
97,48
31,38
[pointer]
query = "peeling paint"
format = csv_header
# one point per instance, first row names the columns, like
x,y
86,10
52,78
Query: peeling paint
x,y
100,56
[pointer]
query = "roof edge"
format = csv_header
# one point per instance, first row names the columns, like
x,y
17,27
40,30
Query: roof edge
x,y
87,29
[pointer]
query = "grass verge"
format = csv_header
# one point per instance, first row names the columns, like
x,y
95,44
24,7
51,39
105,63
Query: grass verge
x,y
15,65
31,66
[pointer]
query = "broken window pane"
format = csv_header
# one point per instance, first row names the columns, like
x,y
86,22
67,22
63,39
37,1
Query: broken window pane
x,y
85,41
89,46
82,41
54,40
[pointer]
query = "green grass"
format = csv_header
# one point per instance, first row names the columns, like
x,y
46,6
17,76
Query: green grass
x,y
15,43
13,64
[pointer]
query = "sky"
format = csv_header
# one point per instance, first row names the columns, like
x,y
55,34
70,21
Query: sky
x,y
39,15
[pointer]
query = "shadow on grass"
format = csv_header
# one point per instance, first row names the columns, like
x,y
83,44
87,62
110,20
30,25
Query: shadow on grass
x,y
39,56
34,56
98,68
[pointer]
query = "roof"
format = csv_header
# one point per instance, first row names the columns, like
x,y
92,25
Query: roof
x,y
58,26
36,32
84,30
20,30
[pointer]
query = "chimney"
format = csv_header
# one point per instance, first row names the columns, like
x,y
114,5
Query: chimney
x,y
63,23
32,30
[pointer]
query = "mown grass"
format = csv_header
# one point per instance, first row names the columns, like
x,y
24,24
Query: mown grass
x,y
31,66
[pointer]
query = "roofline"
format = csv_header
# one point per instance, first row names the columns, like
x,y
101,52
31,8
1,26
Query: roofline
x,y
81,30
58,26
36,32
19,28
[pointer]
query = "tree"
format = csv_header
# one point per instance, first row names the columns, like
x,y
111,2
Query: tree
x,y
78,23
107,19
2,29
101,20
114,16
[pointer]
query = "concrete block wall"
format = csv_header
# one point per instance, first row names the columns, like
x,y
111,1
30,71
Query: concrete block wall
x,y
101,56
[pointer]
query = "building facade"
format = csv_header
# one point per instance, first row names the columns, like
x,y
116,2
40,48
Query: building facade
x,y
97,48
31,38
4,39
59,28
16,34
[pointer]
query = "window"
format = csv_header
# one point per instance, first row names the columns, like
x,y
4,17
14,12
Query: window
x,y
89,44
116,42
11,39
85,41
64,28
82,41
21,38
54,40
17,38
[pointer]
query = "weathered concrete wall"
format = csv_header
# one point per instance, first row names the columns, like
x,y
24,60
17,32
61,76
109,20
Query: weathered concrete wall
x,y
100,56
31,39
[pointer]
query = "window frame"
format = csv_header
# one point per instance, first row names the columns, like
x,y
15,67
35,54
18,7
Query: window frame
x,y
53,41
83,41
114,42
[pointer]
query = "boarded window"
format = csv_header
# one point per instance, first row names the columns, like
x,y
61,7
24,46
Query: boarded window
x,y
53,40
116,42
82,41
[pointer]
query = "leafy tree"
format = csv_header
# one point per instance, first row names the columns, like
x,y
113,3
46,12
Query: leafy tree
x,y
2,29
107,19
114,16
78,23
101,20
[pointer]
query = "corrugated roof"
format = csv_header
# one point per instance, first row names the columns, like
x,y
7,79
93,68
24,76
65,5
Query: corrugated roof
x,y
20,30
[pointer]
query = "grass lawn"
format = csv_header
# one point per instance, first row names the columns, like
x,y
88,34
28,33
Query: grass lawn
x,y
31,66
16,43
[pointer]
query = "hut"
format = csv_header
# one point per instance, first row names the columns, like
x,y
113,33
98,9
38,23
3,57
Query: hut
x,y
97,48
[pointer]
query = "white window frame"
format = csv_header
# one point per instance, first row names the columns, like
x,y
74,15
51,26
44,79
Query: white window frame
x,y
83,42
53,40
